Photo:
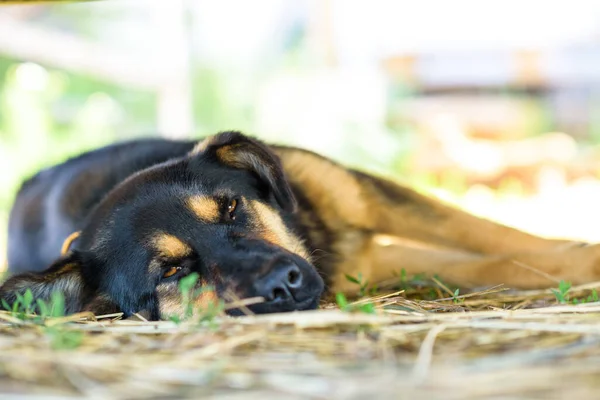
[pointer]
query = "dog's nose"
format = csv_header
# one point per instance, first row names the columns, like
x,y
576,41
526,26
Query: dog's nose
x,y
280,283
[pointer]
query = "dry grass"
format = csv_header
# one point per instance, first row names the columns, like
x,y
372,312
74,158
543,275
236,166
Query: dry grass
x,y
488,344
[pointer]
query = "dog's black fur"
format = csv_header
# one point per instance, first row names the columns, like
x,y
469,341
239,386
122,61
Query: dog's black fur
x,y
122,195
253,221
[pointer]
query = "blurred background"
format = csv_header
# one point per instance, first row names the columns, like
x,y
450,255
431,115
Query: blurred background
x,y
493,106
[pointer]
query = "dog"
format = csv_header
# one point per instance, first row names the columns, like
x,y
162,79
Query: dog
x,y
252,220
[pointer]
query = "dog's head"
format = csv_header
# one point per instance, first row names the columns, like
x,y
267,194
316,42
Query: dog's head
x,y
219,212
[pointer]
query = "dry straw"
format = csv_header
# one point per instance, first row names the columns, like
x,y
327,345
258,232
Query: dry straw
x,y
488,344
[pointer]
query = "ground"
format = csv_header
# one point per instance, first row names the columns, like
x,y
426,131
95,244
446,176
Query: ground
x,y
489,344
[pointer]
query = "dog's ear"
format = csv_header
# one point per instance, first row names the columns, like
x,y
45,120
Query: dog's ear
x,y
239,151
63,276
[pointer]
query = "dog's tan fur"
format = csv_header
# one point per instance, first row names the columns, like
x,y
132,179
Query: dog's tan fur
x,y
382,232
270,227
169,246
205,208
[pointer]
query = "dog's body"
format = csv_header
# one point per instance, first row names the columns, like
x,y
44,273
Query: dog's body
x,y
152,211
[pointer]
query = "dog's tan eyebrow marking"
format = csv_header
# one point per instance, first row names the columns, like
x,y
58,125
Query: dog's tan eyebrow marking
x,y
204,207
170,246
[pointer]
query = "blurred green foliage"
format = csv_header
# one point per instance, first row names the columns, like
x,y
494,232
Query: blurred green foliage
x,y
47,116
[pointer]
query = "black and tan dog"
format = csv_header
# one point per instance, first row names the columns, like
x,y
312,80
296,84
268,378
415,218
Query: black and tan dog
x,y
252,220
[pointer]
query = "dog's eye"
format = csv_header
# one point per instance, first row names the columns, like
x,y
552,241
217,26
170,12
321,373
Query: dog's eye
x,y
231,207
171,271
